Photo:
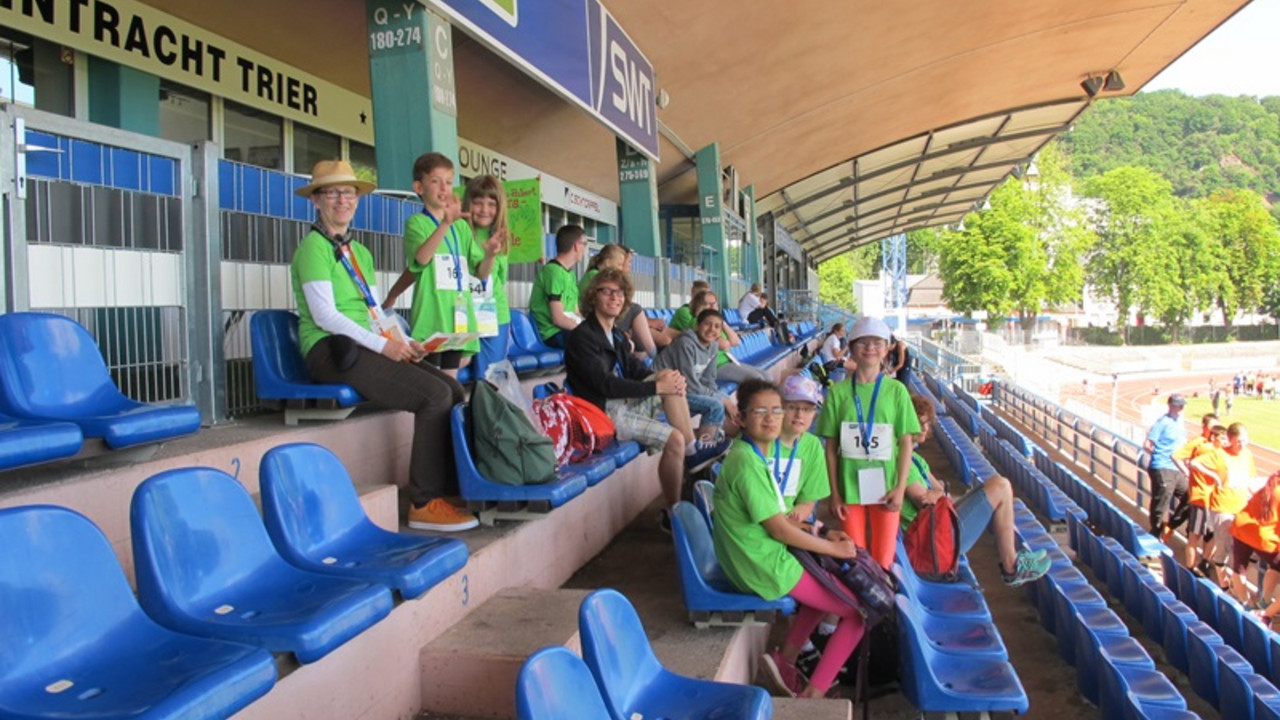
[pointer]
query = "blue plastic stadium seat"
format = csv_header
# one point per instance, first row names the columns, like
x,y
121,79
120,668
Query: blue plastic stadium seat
x,y
280,371
555,684
622,452
1231,621
52,370
527,343
941,598
1095,650
1151,690
478,489
595,468
29,442
1241,692
706,589
961,637
635,684
938,682
1154,596
205,566
75,644
1256,648
315,519
1206,655
704,493
1176,621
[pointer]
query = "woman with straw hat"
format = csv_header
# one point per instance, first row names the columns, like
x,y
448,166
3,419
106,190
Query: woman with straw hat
x,y
346,338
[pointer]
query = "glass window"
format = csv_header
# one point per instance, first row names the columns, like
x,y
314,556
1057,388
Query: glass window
x,y
310,146
364,161
36,73
184,113
253,137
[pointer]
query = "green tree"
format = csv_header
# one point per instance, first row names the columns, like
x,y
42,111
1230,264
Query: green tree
x,y
1020,253
836,276
1249,240
1135,262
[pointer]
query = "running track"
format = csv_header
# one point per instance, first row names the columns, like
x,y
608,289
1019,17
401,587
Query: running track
x,y
1134,394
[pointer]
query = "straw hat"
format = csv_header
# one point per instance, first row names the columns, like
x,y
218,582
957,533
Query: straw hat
x,y
334,172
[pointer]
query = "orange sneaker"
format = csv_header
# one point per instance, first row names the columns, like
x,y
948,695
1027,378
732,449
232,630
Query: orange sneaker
x,y
439,515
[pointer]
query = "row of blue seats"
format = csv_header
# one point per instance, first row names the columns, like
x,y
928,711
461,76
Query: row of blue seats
x,y
970,465
1028,481
1218,673
920,387
280,374
1101,512
56,390
1113,670
966,416
1021,443
966,397
1237,627
220,589
618,676
731,317
951,657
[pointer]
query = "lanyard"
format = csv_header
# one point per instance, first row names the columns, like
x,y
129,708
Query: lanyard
x,y
779,477
919,466
347,258
451,242
866,426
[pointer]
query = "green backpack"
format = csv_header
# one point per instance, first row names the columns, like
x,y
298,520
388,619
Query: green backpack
x,y
507,448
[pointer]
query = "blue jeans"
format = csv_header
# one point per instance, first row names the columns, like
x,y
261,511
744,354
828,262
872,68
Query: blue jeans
x,y
974,512
710,408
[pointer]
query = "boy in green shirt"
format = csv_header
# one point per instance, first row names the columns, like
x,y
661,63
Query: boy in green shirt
x,y
554,301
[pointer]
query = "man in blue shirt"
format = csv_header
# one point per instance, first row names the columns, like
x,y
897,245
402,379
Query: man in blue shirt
x,y
1167,482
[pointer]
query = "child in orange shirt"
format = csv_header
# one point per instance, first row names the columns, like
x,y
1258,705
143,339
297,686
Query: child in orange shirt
x,y
1256,532
1229,496
1199,487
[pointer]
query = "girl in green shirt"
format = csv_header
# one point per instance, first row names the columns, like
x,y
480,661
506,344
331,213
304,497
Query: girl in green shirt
x,y
760,486
485,203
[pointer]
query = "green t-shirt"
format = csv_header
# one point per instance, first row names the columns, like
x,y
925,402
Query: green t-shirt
x,y
433,306
747,495
893,408
919,476
585,281
683,319
554,282
497,276
314,261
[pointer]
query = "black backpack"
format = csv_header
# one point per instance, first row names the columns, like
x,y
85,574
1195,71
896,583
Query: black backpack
x,y
507,448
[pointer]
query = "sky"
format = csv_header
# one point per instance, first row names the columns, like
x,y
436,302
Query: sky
x,y
1241,57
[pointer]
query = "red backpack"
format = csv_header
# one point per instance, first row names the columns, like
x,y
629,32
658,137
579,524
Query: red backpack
x,y
933,542
577,427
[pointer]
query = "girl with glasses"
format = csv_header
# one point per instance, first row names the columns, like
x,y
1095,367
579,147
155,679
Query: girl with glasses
x,y
762,488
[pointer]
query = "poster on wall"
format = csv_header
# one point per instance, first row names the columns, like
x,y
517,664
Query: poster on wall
x,y
524,217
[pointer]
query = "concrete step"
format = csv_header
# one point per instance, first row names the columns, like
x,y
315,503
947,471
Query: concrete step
x,y
805,709
471,668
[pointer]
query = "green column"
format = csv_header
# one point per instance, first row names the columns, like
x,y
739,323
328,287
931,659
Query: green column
x,y
123,98
415,99
753,236
710,192
638,202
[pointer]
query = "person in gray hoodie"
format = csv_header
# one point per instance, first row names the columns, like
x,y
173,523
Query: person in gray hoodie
x,y
693,353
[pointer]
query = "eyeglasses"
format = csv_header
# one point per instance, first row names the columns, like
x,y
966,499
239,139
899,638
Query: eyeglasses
x,y
335,193
761,413
610,291
801,409
870,342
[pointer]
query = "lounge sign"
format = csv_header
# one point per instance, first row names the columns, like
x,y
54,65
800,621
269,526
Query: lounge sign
x,y
147,39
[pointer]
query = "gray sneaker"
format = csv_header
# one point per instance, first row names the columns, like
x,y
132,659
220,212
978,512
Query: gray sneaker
x,y
1028,568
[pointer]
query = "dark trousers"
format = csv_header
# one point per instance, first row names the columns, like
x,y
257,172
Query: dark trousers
x,y
418,388
1167,486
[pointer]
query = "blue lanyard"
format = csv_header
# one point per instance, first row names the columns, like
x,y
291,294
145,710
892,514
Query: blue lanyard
x,y
919,466
865,427
356,276
451,242
779,477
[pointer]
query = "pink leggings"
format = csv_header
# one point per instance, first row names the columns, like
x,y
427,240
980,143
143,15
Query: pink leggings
x,y
815,603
